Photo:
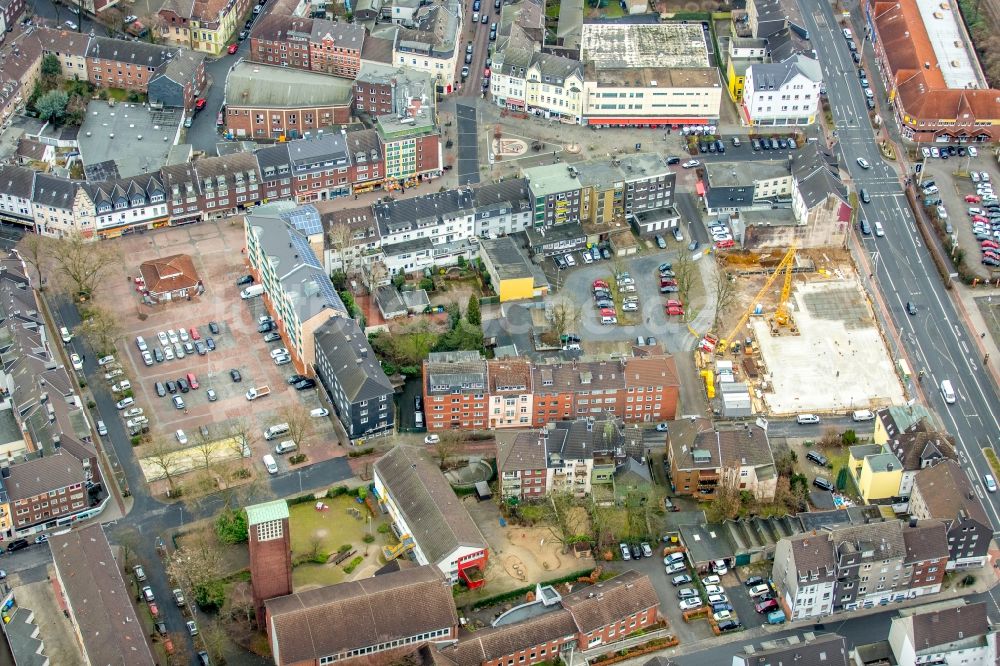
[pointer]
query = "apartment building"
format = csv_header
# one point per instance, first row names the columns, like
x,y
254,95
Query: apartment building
x,y
455,391
522,465
313,44
179,83
946,100
849,567
203,25
432,44
275,102
299,294
69,47
383,89
542,84
824,650
353,379
118,63
701,455
961,633
559,625
371,620
782,93
16,186
423,508
944,492
412,146
510,395
905,431
52,203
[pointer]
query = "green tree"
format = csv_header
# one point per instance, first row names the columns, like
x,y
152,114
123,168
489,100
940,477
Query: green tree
x,y
231,526
412,344
472,312
51,71
454,314
463,336
52,105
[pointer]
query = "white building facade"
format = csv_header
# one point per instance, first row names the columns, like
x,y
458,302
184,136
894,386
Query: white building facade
x,y
782,94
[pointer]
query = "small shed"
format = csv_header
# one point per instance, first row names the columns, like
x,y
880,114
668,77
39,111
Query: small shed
x,y
483,490
172,277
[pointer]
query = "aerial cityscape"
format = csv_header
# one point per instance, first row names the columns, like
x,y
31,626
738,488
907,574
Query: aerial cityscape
x,y
499,332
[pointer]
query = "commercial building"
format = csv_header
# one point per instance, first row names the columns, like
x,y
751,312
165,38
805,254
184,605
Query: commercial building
x,y
702,455
648,75
353,379
383,89
171,277
411,145
314,44
956,633
372,620
273,102
512,275
432,43
936,88
97,600
944,492
543,84
298,292
848,567
424,508
782,93
203,25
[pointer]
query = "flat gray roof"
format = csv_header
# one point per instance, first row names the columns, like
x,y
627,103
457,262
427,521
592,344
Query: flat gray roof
x,y
736,174
618,45
253,84
112,133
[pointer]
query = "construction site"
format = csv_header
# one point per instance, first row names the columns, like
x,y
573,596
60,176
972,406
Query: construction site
x,y
798,335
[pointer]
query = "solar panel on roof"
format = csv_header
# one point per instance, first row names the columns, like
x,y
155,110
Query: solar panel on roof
x,y
305,218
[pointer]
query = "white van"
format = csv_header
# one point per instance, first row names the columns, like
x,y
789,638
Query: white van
x,y
276,431
252,291
286,447
270,465
862,415
806,419
948,391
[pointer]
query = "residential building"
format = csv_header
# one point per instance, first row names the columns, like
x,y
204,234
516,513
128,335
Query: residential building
x,y
69,47
52,203
11,11
203,25
455,391
432,44
383,89
648,75
848,567
522,465
701,455
114,206
879,477
936,88
411,144
118,63
225,185
952,634
44,491
820,650
424,508
782,93
180,81
944,492
96,599
555,626
542,84
766,18
905,432
371,620
739,54
315,44
509,384
512,275
353,379
270,545
16,186
556,194
298,291
268,101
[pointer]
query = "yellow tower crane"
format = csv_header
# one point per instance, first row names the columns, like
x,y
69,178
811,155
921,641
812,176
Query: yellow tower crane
x,y
781,316
784,265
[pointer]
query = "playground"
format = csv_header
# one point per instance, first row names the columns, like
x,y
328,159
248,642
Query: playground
x,y
324,528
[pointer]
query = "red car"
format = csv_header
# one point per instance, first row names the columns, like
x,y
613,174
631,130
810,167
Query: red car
x,y
153,610
200,104
726,244
600,284
608,312
972,198
195,335
766,606
980,218
233,48
674,307
668,282
989,245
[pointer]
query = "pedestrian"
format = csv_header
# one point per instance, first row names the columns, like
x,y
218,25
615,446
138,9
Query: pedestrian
x,y
83,356
982,335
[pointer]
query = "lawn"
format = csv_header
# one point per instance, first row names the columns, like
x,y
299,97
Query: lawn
x,y
324,532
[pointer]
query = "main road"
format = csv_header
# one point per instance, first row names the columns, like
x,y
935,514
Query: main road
x,y
934,340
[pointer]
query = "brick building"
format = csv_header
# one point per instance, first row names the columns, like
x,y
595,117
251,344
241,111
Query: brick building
x,y
312,44
381,89
45,489
270,547
117,63
455,393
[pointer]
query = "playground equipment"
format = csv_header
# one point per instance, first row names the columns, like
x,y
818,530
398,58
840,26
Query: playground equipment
x,y
405,544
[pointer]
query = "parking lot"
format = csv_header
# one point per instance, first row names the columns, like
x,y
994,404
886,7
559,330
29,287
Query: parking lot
x,y
952,178
214,248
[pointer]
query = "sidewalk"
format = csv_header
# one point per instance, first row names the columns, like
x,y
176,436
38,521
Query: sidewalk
x,y
965,301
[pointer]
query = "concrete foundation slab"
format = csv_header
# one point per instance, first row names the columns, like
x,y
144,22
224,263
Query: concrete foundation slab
x,y
837,363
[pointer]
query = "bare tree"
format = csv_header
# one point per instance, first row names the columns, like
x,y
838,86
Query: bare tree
x,y
128,541
448,444
727,502
198,561
341,239
565,317
215,638
377,274
243,435
684,272
205,447
300,424
103,328
564,528
81,264
182,654
725,293
36,251
830,439
163,458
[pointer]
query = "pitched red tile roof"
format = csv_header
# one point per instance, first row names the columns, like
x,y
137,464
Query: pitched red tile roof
x,y
169,274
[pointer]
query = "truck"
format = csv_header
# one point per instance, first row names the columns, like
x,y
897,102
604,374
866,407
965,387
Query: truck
x,y
776,617
258,392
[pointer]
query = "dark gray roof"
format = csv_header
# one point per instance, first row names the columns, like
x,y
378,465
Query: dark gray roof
x,y
101,171
436,516
816,175
521,451
183,68
507,258
54,191
16,181
357,368
330,147
345,35
941,627
427,210
822,650
273,157
512,194
137,53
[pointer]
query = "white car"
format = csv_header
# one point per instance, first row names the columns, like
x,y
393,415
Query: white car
x,y
135,411
587,259
690,604
147,358
280,351
973,151
711,580
624,279
718,599
926,152
162,337
432,439
118,372
181,437
104,360
283,360
879,231
863,163
690,164
168,353
172,336
122,386
935,152
75,360
975,211
630,307
124,402
570,261
974,175
727,615
319,412
182,332
714,589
